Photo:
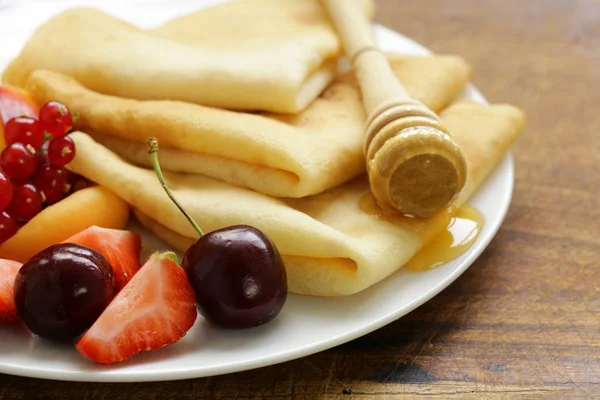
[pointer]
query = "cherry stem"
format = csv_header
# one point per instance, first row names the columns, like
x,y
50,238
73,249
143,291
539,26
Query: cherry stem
x,y
153,151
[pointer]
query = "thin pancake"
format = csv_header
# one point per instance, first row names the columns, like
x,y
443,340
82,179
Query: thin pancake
x,y
220,56
279,155
331,245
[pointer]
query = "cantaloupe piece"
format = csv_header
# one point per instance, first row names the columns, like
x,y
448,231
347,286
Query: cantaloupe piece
x,y
95,205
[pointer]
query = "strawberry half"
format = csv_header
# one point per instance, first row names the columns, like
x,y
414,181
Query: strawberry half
x,y
120,248
154,310
8,273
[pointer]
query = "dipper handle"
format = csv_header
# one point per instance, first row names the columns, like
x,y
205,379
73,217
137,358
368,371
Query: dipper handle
x,y
415,167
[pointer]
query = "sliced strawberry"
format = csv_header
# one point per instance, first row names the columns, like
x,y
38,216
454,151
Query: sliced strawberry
x,y
8,272
154,310
120,248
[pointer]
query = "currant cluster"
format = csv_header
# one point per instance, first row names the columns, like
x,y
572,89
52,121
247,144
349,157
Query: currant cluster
x,y
32,172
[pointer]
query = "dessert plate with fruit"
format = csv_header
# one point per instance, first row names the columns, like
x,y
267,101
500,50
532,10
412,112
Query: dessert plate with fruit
x,y
113,303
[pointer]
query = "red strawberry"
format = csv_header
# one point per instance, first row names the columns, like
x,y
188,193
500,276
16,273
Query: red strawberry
x,y
154,310
8,272
120,248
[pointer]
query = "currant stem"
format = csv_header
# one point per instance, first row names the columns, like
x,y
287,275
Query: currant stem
x,y
153,151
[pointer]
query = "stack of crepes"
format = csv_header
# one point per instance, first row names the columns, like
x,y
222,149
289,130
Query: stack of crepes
x,y
288,160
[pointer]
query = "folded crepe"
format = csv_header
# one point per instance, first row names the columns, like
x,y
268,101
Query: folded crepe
x,y
275,55
331,246
276,154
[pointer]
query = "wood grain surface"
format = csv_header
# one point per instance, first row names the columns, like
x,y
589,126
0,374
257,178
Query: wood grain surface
x,y
524,321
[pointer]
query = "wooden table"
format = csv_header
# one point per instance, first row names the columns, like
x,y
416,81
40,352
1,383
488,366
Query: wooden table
x,y
524,321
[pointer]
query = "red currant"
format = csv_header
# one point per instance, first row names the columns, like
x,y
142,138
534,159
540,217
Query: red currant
x,y
42,154
8,226
80,184
27,202
43,159
72,178
25,130
61,151
55,118
6,191
19,161
52,182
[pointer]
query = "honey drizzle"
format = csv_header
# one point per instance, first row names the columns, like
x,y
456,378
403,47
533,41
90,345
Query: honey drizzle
x,y
448,234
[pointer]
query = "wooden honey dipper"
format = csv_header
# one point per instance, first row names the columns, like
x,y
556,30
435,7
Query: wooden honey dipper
x,y
414,165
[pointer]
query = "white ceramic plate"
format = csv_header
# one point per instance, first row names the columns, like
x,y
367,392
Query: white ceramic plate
x,y
306,325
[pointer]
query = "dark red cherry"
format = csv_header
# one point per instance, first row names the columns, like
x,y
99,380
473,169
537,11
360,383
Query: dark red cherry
x,y
237,272
61,291
238,276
